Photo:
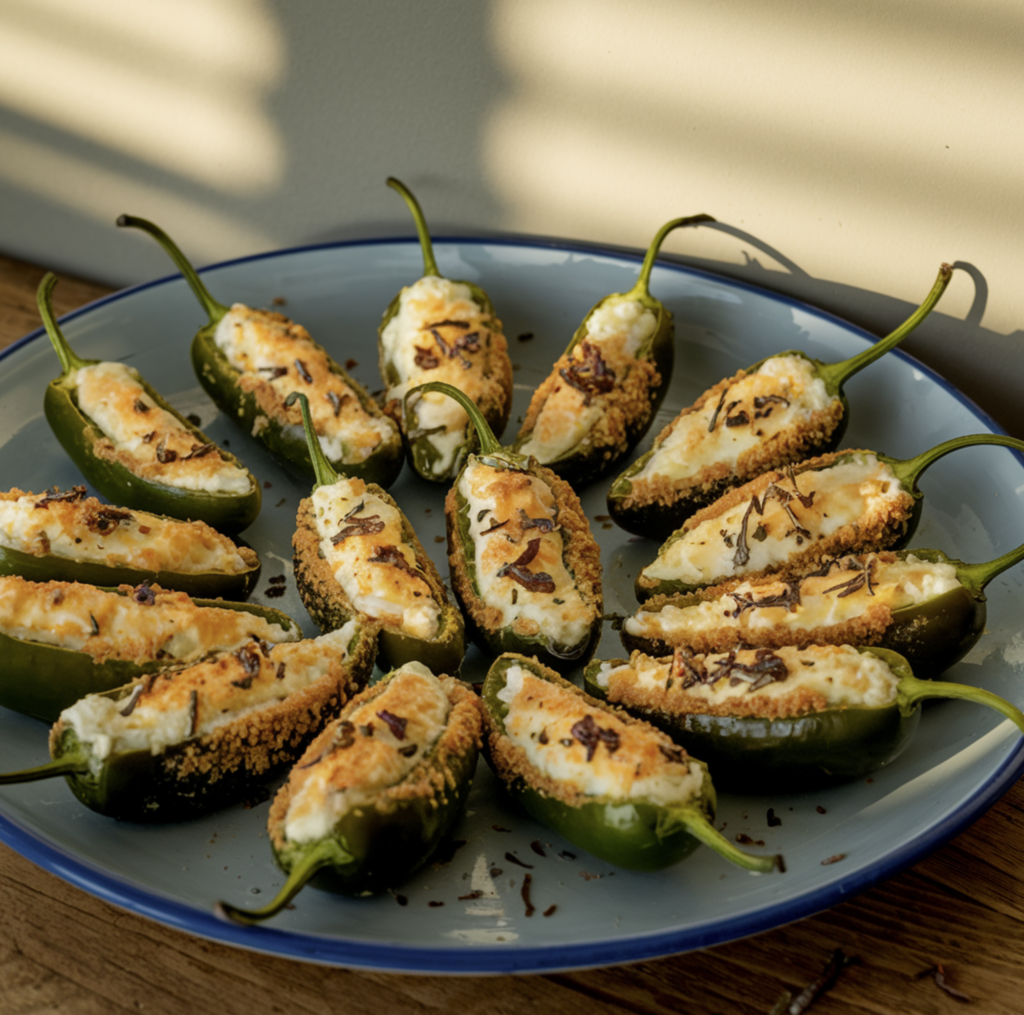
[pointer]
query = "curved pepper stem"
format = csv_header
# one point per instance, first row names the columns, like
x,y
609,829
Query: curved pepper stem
x,y
490,447
70,764
327,853
911,691
213,308
69,360
976,576
641,291
429,264
909,470
322,468
696,822
835,375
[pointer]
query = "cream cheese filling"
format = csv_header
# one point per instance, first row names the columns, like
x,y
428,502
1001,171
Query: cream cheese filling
x,y
371,560
770,528
569,741
112,396
376,744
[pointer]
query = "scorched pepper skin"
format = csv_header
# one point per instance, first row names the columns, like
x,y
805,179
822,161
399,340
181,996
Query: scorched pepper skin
x,y
283,438
211,584
580,553
329,606
382,842
627,396
656,514
80,437
806,750
635,834
204,772
892,532
42,680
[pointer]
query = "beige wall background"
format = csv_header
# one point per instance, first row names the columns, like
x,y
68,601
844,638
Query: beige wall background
x,y
845,148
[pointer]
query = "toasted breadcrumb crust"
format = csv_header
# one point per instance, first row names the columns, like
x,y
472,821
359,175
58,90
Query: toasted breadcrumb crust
x,y
431,780
675,701
320,591
879,532
867,629
626,410
511,764
580,553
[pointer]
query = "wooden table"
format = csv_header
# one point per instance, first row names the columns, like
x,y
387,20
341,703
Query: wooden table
x,y
961,909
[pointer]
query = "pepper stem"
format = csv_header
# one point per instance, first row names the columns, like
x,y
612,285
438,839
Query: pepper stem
x,y
911,691
429,264
213,308
976,576
642,288
909,470
70,764
69,360
835,375
489,444
696,822
322,468
326,853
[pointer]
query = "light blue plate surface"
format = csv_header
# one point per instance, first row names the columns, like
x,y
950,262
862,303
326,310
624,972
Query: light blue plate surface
x,y
586,913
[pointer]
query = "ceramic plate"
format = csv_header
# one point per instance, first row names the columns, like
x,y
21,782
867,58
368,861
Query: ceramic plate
x,y
471,911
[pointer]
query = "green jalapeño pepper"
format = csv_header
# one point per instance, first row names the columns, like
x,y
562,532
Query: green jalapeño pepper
x,y
781,410
376,793
609,783
180,743
356,555
790,520
250,360
601,396
134,447
920,603
786,720
62,640
524,563
437,329
67,536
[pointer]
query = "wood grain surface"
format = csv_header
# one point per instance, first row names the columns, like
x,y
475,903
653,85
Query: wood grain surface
x,y
960,911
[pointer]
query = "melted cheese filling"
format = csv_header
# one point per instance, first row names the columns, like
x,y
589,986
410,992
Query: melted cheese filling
x,y
622,762
843,494
617,329
106,625
113,397
438,333
844,594
783,393
501,505
271,349
843,676
391,588
368,753
86,530
177,705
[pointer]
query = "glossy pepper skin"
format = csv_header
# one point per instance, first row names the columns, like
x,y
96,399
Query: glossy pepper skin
x,y
382,842
329,606
230,512
48,566
42,680
796,489
483,366
793,753
596,376
204,772
245,404
633,833
656,512
932,635
580,554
